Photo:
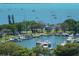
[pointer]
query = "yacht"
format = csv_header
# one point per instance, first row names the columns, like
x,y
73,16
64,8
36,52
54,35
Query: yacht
x,y
64,43
13,39
44,44
65,34
71,38
21,37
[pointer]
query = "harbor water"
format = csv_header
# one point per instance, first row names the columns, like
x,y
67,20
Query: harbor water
x,y
30,43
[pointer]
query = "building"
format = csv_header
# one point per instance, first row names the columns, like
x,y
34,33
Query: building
x,y
49,28
6,31
37,29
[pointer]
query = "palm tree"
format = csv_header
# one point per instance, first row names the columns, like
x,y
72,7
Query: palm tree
x,y
9,19
13,19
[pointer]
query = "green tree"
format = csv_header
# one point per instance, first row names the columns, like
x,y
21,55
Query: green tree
x,y
46,51
69,25
12,49
70,49
77,27
37,50
13,21
9,21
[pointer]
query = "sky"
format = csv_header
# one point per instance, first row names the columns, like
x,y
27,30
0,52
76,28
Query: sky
x,y
46,12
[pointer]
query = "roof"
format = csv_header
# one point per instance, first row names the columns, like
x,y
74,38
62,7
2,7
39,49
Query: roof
x,y
5,30
49,27
37,27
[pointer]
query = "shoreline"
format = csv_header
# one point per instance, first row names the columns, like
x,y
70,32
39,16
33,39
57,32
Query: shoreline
x,y
34,35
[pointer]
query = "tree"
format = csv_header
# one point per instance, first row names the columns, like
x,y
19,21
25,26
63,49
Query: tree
x,y
69,25
9,21
13,22
70,49
19,27
37,50
12,49
77,27
46,51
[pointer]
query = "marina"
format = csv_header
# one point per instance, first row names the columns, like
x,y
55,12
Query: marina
x,y
39,29
54,40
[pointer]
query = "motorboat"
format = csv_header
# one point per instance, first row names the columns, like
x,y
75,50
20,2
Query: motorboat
x,y
13,39
70,38
64,43
44,44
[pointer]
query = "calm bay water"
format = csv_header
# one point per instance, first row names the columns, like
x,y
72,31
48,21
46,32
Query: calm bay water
x,y
55,40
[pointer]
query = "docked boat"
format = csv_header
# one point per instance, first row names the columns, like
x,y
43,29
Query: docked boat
x,y
44,44
77,35
62,34
13,39
71,38
65,34
63,43
24,37
21,37
77,40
